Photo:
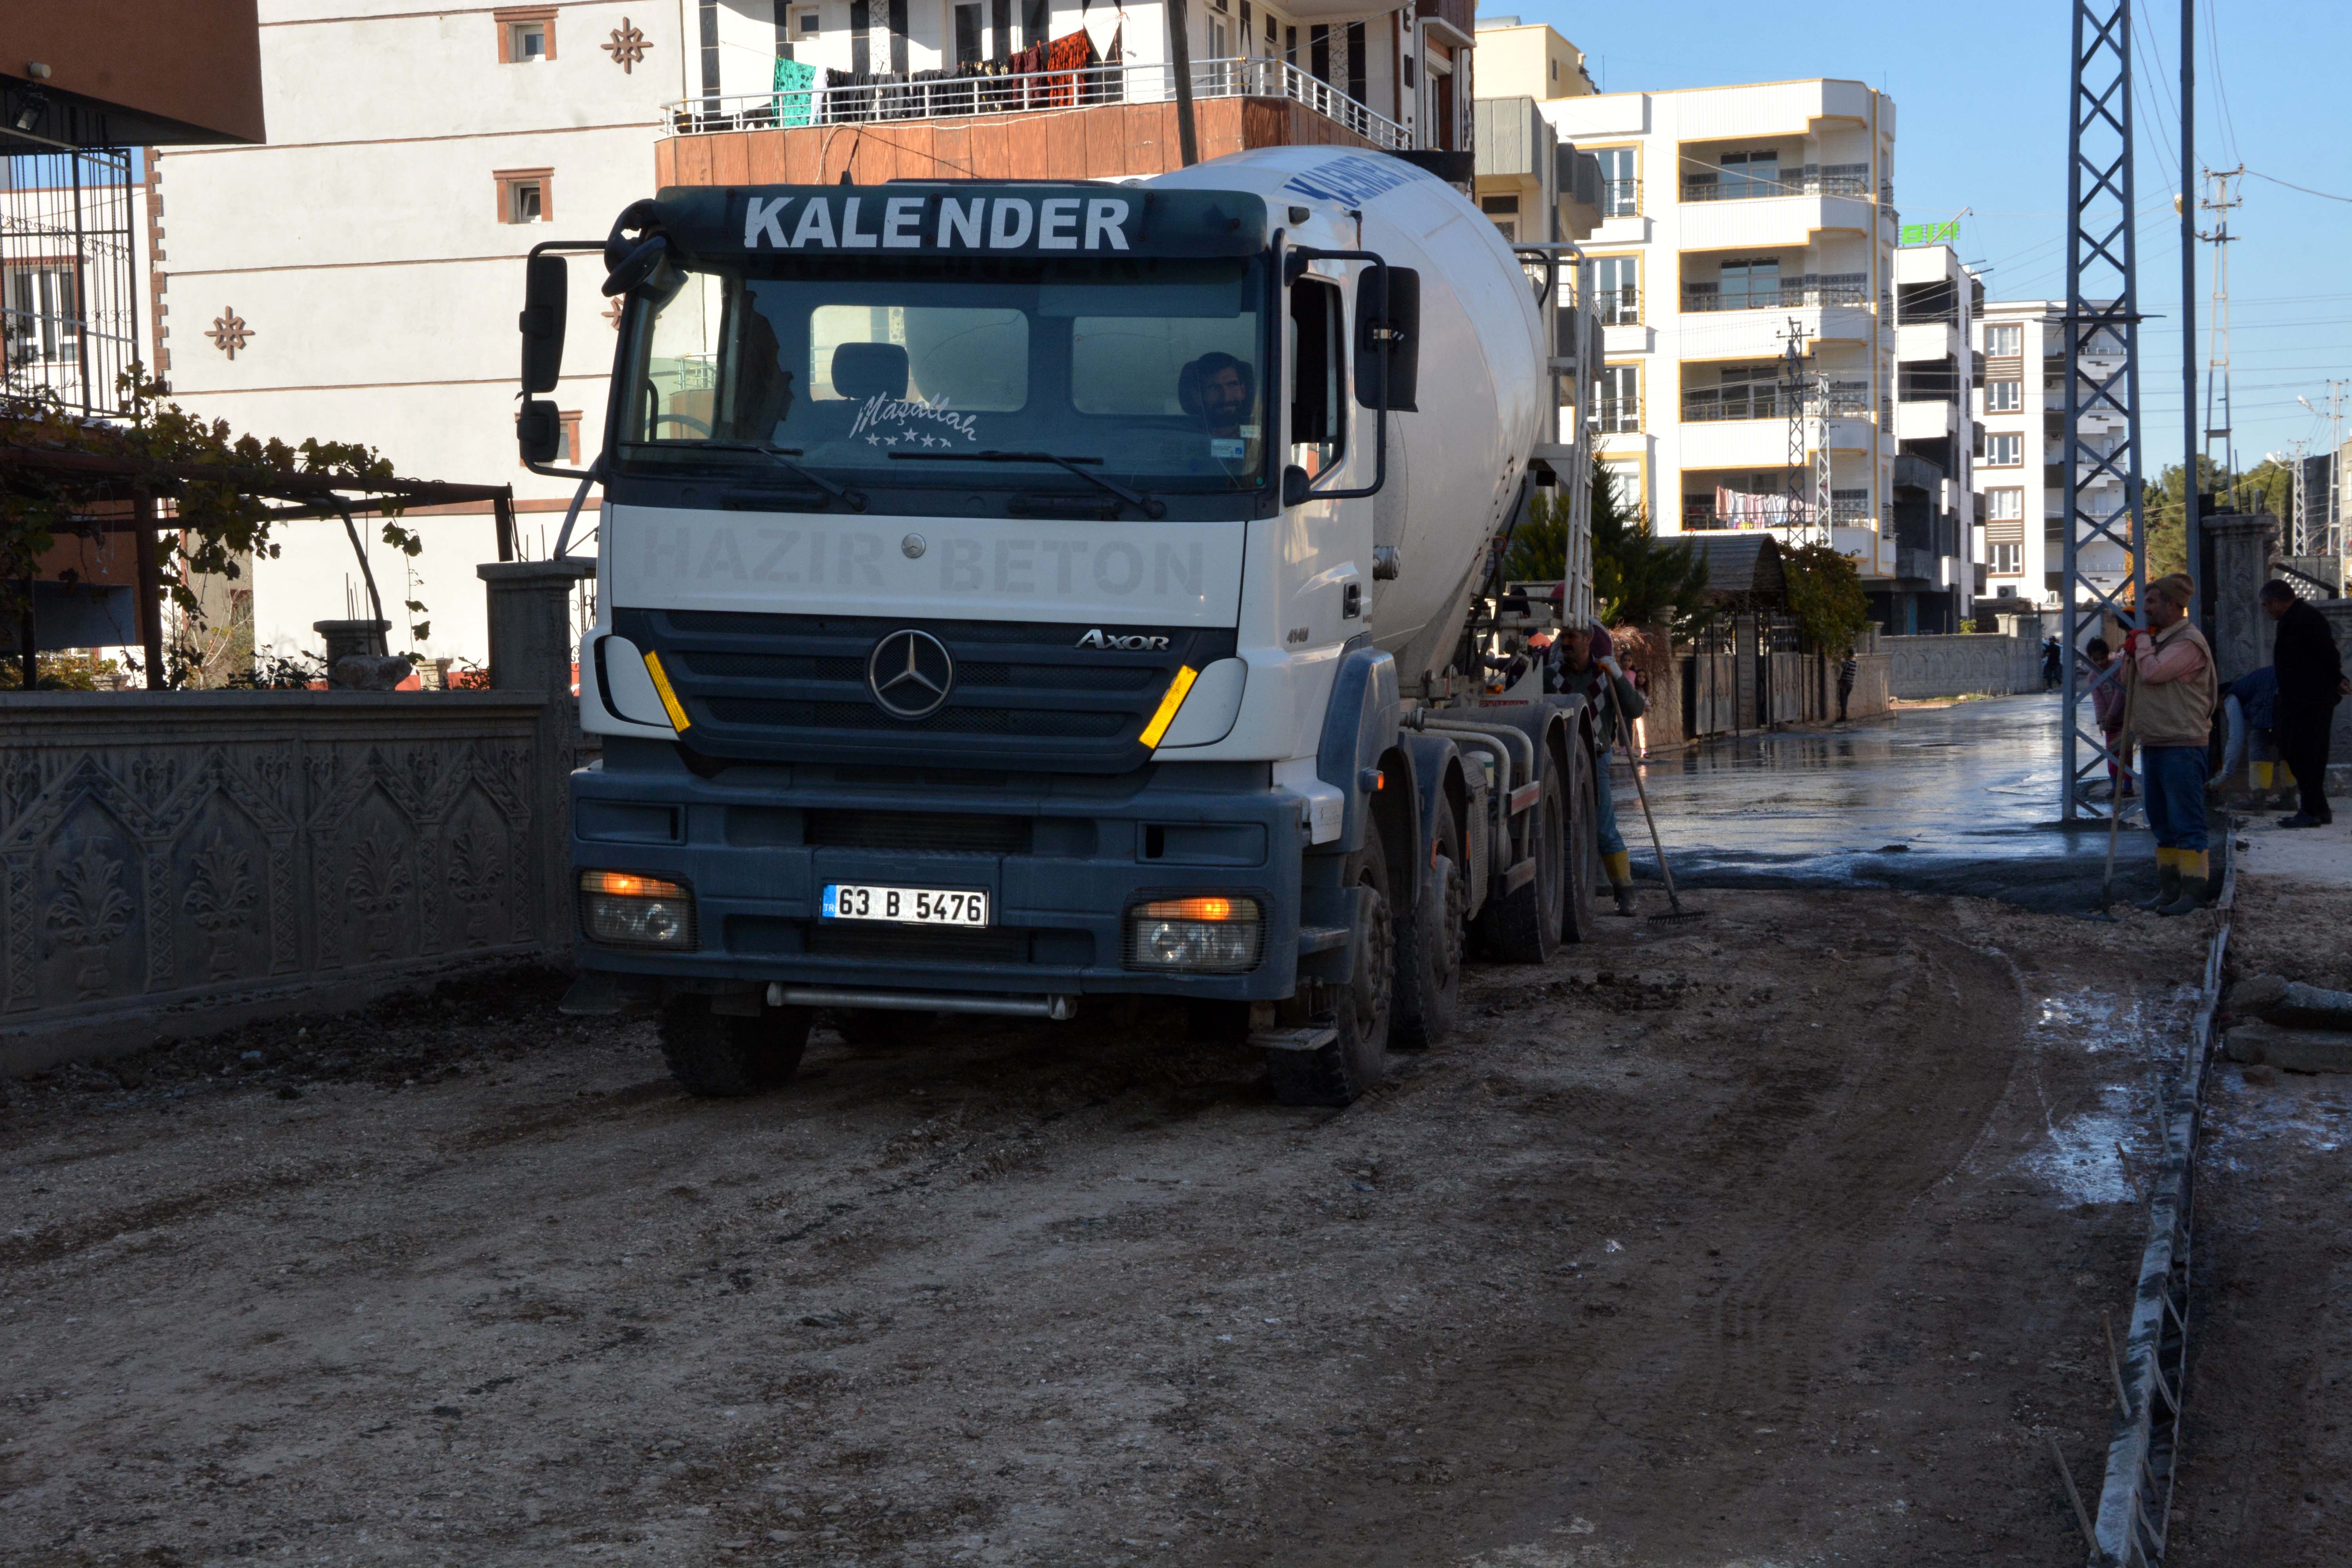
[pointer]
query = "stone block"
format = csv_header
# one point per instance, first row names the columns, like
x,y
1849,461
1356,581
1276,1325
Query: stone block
x,y
2290,1003
2290,1051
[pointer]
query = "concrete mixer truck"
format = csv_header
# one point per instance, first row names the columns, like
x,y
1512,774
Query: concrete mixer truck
x,y
1011,596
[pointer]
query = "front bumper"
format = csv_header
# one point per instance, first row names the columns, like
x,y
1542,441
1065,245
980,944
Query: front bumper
x,y
1062,858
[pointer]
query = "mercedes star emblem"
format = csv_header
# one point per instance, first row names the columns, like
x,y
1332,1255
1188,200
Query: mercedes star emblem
x,y
909,673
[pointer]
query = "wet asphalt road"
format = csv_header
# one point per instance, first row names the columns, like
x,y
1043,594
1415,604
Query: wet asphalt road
x,y
1948,800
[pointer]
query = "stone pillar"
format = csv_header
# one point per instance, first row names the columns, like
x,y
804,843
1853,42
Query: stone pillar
x,y
531,650
2241,633
346,639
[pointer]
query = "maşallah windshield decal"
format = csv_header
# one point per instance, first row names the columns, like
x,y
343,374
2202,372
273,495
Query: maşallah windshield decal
x,y
919,424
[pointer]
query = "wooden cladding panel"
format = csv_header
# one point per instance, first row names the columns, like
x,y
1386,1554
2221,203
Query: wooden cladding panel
x,y
1113,141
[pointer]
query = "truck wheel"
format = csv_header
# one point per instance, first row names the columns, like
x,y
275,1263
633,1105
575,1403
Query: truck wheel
x,y
1430,935
719,1057
1522,926
1360,1007
1584,860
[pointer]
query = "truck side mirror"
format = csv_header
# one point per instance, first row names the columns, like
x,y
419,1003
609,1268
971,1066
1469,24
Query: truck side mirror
x,y
1388,313
544,302
539,431
1295,484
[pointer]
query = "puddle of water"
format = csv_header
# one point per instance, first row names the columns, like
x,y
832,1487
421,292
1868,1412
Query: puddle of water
x,y
2078,1154
2080,1158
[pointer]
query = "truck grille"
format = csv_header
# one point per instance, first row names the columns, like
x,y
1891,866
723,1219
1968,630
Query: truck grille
x,y
918,832
789,688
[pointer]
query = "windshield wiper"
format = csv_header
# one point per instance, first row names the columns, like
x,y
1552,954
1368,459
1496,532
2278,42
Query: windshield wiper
x,y
1150,506
782,456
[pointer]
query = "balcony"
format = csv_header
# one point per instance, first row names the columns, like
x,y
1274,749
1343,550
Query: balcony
x,y
1809,293
1620,199
1109,121
1737,510
1617,417
1929,420
1766,400
1813,179
1935,341
1787,223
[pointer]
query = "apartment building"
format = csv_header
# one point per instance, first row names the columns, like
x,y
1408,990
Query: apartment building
x,y
2021,477
1748,232
1933,507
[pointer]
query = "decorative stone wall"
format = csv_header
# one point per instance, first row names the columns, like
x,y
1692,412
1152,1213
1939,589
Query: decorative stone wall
x,y
168,858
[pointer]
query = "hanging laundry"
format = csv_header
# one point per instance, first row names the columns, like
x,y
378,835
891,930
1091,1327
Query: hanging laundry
x,y
793,84
1065,57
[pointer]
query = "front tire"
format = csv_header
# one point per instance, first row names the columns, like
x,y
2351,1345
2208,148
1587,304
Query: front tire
x,y
716,1056
1360,1007
1431,937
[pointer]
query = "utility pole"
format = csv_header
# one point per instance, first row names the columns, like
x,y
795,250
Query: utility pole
x,y
2101,321
1808,518
2191,503
2220,203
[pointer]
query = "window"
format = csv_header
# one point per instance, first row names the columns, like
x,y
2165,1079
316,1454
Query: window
x,y
969,50
43,320
882,372
1616,289
1621,195
1751,285
2004,396
2004,451
2005,506
2004,342
526,196
1619,409
1750,174
1504,213
526,34
2005,559
805,23
1317,371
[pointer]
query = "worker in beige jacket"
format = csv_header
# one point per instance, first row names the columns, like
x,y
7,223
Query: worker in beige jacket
x,y
2173,692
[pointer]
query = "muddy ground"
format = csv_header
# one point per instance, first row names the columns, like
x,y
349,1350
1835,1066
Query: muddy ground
x,y
1781,1237
2266,1465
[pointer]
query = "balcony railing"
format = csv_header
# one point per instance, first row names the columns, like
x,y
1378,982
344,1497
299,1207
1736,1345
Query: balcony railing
x,y
1767,400
1754,512
1618,307
844,99
1813,179
1809,294
1620,199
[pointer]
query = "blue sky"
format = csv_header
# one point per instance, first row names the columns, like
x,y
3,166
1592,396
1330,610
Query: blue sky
x,y
1981,92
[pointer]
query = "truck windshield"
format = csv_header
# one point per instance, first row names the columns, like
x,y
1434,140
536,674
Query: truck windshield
x,y
1149,371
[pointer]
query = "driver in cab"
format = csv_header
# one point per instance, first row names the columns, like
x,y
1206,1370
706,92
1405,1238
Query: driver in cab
x,y
1221,392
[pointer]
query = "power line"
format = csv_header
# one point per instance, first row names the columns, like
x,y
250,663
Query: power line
x,y
2307,190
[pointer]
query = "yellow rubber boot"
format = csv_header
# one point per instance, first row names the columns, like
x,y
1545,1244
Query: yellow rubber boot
x,y
2167,881
1620,868
2193,883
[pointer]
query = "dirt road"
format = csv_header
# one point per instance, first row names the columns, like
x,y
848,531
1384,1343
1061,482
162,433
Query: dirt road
x,y
1781,1237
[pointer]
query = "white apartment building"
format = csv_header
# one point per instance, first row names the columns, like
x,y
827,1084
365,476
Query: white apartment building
x,y
1934,581
2020,477
358,276
1735,218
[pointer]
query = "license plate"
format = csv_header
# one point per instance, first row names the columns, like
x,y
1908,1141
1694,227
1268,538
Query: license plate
x,y
906,906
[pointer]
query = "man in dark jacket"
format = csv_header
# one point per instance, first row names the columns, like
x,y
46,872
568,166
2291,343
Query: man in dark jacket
x,y
2310,683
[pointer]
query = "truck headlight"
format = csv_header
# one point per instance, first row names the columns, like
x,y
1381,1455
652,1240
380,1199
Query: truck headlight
x,y
1216,934
629,911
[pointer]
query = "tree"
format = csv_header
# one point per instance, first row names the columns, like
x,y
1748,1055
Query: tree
x,y
2267,487
1825,595
1638,579
1538,552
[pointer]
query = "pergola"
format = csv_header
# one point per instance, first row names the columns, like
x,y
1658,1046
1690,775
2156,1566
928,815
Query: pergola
x,y
124,495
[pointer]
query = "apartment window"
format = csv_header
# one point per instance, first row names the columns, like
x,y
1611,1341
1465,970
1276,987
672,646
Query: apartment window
x,y
1620,399
526,196
2004,342
1504,213
969,50
1616,289
2005,559
807,24
44,315
1751,285
1218,38
526,34
2004,396
2004,451
1620,194
1741,176
2005,506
